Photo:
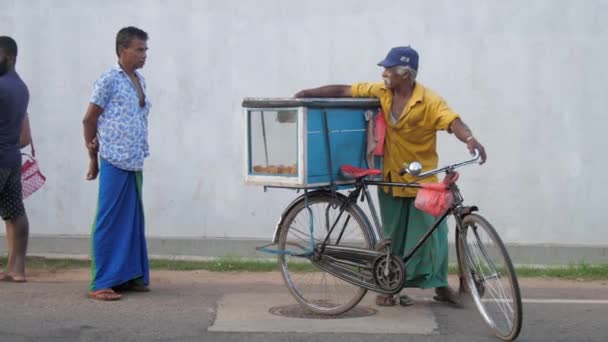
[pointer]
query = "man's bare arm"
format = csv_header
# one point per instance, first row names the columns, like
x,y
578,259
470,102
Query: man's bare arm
x,y
25,138
90,138
464,134
90,128
326,91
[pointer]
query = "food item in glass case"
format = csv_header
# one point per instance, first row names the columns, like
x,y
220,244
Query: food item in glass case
x,y
292,170
276,169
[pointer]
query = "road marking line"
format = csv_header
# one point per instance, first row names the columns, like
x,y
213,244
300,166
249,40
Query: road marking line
x,y
545,301
564,301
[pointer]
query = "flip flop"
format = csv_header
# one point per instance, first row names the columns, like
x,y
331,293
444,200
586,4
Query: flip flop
x,y
405,300
386,300
104,295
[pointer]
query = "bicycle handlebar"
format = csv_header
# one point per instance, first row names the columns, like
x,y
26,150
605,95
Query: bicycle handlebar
x,y
419,176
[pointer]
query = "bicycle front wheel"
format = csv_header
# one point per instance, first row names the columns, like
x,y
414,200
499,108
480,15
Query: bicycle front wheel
x,y
316,290
489,276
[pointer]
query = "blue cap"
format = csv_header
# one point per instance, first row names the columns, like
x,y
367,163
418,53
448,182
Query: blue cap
x,y
401,55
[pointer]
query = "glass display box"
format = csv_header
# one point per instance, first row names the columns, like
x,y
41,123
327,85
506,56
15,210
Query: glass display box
x,y
301,143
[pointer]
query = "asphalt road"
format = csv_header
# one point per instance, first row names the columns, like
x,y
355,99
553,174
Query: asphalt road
x,y
197,306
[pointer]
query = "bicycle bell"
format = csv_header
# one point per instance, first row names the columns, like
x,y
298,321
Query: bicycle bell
x,y
414,169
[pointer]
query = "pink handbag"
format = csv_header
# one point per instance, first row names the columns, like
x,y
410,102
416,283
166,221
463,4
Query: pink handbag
x,y
32,178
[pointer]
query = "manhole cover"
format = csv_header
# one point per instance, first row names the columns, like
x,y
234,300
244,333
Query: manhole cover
x,y
297,311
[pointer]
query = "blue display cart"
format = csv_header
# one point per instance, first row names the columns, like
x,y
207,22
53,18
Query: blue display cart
x,y
301,143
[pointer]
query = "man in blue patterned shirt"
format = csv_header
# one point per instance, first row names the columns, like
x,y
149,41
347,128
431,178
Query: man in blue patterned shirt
x,y
116,128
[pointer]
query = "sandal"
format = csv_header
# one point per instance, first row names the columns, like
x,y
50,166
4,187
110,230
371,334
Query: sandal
x,y
104,295
385,300
389,300
405,300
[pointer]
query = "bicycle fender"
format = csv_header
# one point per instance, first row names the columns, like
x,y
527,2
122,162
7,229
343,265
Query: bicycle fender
x,y
466,211
310,194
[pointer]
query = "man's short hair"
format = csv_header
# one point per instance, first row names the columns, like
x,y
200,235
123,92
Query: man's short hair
x,y
8,45
402,70
127,34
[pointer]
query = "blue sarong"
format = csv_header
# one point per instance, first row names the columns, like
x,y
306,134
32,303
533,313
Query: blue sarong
x,y
118,244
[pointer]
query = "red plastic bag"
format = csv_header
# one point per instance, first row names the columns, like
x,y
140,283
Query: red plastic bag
x,y
32,178
435,198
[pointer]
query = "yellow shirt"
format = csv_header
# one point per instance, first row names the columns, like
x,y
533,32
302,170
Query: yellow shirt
x,y
414,136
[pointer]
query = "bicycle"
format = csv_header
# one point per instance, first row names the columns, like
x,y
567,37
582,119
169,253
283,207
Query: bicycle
x,y
329,230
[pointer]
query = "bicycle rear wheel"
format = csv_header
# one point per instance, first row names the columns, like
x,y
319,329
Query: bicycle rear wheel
x,y
489,276
316,290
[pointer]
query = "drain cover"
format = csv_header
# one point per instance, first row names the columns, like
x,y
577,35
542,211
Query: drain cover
x,y
297,311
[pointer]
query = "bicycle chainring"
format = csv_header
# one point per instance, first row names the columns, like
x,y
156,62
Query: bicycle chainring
x,y
391,278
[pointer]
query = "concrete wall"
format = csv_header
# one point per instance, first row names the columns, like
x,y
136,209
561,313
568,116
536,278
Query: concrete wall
x,y
529,77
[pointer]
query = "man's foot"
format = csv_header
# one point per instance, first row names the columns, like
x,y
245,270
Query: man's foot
x,y
447,295
104,295
12,278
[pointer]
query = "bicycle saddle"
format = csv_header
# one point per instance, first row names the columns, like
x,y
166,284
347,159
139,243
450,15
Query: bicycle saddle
x,y
350,171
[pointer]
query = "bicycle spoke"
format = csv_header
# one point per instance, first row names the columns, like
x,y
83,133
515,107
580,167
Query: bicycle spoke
x,y
508,310
490,277
303,236
498,293
320,291
482,249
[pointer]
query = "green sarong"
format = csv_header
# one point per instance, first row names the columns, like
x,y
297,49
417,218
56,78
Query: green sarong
x,y
405,225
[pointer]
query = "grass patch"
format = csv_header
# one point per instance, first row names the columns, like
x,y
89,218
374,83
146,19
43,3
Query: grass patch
x,y
51,264
216,265
580,271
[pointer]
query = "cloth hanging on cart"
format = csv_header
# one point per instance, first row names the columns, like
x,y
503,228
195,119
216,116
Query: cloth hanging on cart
x,y
376,132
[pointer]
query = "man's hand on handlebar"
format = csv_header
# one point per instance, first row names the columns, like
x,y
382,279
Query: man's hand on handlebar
x,y
472,145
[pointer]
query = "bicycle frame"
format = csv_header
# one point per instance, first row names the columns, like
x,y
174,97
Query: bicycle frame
x,y
361,188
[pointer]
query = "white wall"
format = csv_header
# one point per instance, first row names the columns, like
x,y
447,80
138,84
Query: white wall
x,y
529,77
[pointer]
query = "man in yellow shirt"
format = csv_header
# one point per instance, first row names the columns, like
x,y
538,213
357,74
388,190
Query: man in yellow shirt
x,y
413,114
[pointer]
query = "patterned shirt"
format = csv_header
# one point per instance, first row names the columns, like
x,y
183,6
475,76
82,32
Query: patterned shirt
x,y
122,128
